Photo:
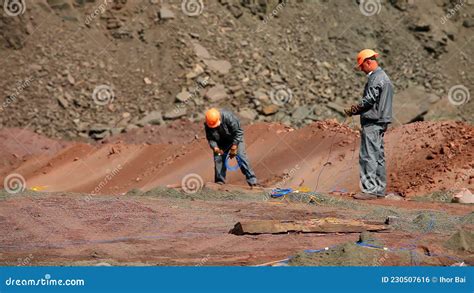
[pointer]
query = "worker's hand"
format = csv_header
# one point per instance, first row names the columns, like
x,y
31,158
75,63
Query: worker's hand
x,y
348,112
233,151
352,110
218,151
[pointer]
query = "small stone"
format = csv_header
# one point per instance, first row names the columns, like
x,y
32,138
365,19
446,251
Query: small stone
x,y
166,13
203,81
239,94
175,113
420,26
220,66
468,23
197,70
235,10
62,101
248,114
147,80
301,113
116,130
200,51
261,95
390,220
154,118
71,79
194,35
327,65
183,96
276,78
36,67
463,196
270,109
130,127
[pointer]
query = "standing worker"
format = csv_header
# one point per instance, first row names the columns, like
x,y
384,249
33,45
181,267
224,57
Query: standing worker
x,y
226,139
375,110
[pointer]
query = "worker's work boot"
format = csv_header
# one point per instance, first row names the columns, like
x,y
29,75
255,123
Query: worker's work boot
x,y
364,196
392,196
255,185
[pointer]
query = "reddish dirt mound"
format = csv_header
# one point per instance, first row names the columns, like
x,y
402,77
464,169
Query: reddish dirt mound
x,y
421,157
17,145
428,156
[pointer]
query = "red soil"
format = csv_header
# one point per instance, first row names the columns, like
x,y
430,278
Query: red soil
x,y
78,229
421,158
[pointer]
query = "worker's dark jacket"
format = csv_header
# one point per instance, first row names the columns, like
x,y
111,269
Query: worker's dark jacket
x,y
376,104
227,133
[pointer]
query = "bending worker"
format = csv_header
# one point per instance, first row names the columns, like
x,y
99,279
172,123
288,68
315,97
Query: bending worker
x,y
226,139
375,110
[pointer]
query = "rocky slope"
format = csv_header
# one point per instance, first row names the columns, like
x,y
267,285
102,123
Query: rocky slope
x,y
88,69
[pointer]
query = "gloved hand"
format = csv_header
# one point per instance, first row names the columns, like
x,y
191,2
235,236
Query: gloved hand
x,y
348,112
352,110
233,151
218,151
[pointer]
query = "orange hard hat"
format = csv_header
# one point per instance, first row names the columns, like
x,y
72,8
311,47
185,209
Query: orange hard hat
x,y
364,54
213,118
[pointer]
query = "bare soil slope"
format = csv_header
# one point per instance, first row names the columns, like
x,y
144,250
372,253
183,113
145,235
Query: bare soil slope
x,y
421,158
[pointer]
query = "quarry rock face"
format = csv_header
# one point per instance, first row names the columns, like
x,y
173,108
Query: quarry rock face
x,y
235,54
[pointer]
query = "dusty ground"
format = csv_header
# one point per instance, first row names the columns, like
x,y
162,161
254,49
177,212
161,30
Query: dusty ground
x,y
163,228
106,203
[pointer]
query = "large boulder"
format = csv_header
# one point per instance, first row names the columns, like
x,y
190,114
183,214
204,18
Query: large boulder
x,y
411,105
216,93
154,117
175,113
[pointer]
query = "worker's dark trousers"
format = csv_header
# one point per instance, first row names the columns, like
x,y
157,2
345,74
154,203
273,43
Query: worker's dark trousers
x,y
373,177
221,170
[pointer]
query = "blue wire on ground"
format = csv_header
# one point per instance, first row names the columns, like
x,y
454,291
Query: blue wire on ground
x,y
411,247
279,192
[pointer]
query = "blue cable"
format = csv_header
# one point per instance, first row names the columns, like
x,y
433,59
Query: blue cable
x,y
232,168
279,192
